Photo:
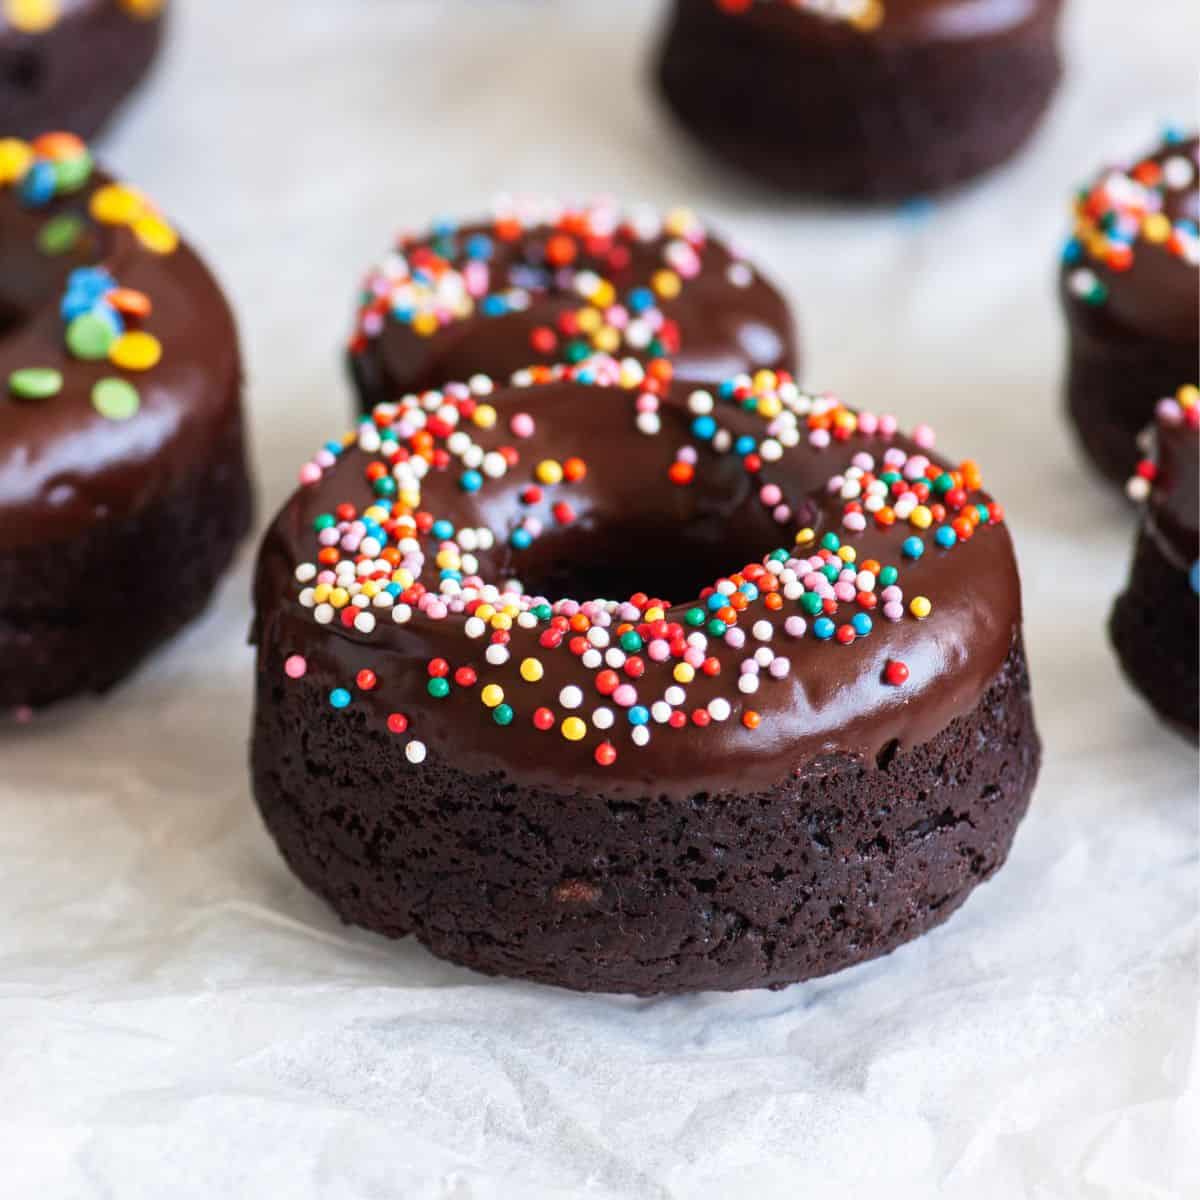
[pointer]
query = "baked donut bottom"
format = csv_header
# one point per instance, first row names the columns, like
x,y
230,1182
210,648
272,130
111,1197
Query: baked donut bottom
x,y
1114,379
76,74
853,117
1155,630
841,862
79,615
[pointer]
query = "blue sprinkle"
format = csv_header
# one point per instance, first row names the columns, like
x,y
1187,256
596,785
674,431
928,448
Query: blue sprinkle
x,y
745,444
450,573
334,447
704,427
494,306
945,536
1072,252
520,539
823,628
39,185
715,601
638,715
1194,576
727,388
339,698
480,246
749,590
470,481
640,299
862,624
913,547
402,315
442,529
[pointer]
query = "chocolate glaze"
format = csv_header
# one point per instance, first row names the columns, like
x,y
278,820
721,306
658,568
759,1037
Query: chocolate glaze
x,y
1173,509
1158,296
834,698
73,74
904,22
63,466
724,329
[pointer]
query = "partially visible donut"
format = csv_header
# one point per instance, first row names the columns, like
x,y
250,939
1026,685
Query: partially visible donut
x,y
67,64
1130,287
123,487
542,286
1155,624
861,99
812,756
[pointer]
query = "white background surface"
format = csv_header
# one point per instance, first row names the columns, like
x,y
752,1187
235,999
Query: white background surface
x,y
178,1018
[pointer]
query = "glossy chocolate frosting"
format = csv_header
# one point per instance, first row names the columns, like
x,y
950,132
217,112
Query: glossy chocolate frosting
x,y
1173,505
725,319
632,521
63,465
840,22
1120,277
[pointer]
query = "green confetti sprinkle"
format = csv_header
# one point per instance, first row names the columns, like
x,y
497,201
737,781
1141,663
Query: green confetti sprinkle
x,y
116,399
70,174
89,337
60,234
35,383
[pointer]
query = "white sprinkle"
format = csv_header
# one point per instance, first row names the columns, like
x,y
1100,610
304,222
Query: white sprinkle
x,y
415,752
570,696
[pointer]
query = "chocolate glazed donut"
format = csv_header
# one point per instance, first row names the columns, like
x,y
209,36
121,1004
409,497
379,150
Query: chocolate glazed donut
x,y
123,487
1155,624
1130,287
68,65
875,100
813,761
549,287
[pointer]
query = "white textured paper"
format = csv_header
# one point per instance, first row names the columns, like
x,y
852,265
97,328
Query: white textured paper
x,y
179,1019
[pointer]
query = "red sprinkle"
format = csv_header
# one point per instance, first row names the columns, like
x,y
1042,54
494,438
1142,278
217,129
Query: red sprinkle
x,y
896,673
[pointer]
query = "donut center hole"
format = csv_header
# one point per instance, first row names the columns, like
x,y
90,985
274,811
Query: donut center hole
x,y
618,560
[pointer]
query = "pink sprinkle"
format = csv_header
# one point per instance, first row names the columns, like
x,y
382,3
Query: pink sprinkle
x,y
893,611
794,627
924,436
868,423
687,454
659,650
887,425
522,425
694,656
782,514
844,592
855,522
295,667
735,637
310,473
891,593
779,667
770,495
625,695
819,438
646,403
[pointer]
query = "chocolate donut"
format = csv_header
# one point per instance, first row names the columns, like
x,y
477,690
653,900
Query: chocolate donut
x,y
123,487
544,286
874,100
1155,624
1130,285
794,768
67,64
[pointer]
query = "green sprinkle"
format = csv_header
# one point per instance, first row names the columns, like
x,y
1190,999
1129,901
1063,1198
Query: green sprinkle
x,y
888,576
70,174
89,337
502,714
324,521
116,399
60,234
438,688
694,616
35,383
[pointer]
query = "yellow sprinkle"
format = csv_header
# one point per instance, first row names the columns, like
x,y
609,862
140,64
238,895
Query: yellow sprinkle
x,y
548,471
847,554
155,234
339,597
370,589
410,496
447,560
135,351
376,512
654,614
531,670
769,407
492,695
590,320
679,221
666,284
32,16
16,157
804,536
920,607
425,324
604,295
607,341
765,381
869,17
143,10
116,204
403,577
921,517
573,729
1188,395
684,672
631,373
502,621
321,592
485,612
1156,228
484,416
